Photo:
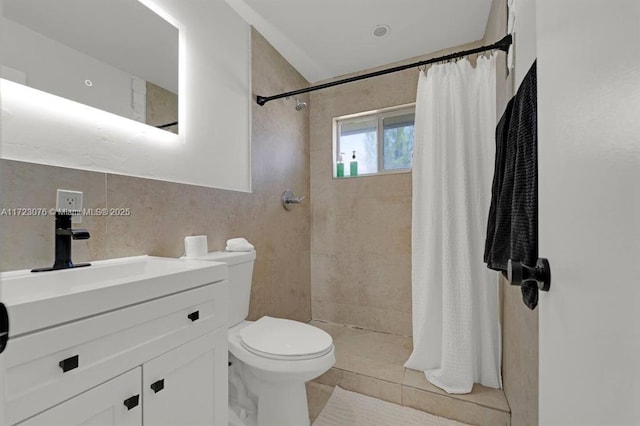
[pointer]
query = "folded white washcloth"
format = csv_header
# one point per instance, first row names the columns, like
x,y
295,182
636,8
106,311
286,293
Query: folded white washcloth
x,y
238,244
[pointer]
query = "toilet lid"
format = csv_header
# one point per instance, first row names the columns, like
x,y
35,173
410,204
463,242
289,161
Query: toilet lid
x,y
285,338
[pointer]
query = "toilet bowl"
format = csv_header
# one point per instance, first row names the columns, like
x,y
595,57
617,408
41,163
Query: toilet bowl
x,y
269,359
274,375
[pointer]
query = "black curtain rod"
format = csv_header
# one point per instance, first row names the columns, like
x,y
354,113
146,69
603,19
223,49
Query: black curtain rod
x,y
164,126
502,45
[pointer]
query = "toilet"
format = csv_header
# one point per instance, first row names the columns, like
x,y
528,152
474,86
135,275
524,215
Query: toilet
x,y
271,358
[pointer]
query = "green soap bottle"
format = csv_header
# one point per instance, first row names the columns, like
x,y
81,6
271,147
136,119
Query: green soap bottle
x,y
340,166
353,165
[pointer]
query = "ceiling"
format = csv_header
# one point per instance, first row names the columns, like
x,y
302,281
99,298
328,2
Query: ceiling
x,y
328,38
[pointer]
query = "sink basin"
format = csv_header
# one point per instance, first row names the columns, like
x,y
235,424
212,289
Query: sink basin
x,y
39,300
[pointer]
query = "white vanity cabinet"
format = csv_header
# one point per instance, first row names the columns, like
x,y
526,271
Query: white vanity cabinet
x,y
175,391
102,405
175,388
162,361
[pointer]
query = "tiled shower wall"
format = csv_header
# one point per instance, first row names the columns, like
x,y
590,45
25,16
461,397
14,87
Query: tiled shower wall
x,y
163,213
361,227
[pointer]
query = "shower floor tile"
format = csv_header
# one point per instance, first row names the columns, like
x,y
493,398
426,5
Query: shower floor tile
x,y
372,363
369,353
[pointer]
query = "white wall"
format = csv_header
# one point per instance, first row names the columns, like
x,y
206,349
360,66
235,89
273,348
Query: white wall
x,y
213,148
589,164
525,38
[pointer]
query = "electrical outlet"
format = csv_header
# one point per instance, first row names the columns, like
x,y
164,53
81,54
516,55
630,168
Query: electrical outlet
x,y
70,202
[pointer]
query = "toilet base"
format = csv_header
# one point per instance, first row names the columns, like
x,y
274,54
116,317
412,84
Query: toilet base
x,y
270,392
286,407
264,405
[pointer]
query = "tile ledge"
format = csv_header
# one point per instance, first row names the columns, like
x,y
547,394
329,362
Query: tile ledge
x,y
444,394
367,375
458,398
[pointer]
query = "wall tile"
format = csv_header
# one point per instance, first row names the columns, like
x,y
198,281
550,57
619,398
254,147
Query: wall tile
x,y
520,357
28,241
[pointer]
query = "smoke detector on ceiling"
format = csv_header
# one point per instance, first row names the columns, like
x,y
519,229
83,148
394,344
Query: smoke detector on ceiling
x,y
380,30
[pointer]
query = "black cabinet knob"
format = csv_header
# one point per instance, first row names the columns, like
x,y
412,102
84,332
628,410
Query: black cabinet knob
x,y
194,316
132,402
69,363
157,386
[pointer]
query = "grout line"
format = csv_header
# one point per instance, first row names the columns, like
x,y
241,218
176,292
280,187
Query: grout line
x,y
106,221
355,327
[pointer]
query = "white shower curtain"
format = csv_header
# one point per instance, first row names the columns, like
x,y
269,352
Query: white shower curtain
x,y
456,330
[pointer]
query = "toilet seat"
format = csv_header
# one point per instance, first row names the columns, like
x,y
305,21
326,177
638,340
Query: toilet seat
x,y
282,339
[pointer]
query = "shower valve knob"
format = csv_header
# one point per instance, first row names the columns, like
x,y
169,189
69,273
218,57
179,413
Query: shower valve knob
x,y
288,197
526,276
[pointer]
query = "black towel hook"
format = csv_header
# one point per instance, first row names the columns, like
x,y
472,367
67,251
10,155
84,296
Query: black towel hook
x,y
526,276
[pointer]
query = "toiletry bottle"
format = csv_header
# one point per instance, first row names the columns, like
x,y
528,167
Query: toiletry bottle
x,y
340,166
353,165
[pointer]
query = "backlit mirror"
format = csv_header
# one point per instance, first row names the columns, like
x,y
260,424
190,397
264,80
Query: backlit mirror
x,y
115,55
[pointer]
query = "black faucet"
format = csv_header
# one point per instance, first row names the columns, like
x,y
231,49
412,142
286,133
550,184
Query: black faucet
x,y
64,234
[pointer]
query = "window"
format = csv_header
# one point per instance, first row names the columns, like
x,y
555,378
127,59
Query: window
x,y
382,141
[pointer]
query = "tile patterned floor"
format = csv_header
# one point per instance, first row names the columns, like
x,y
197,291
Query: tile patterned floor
x,y
372,363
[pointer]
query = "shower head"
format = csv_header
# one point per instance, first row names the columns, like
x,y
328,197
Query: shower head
x,y
300,105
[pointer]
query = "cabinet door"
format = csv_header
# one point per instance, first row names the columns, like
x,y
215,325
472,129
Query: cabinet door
x,y
188,385
113,403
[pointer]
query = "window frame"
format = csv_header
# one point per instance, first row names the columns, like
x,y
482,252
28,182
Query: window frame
x,y
380,114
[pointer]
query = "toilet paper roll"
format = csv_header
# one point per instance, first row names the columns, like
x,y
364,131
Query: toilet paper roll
x,y
195,246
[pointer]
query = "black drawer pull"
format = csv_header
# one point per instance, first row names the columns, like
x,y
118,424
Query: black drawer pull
x,y
4,327
194,316
69,363
157,386
132,402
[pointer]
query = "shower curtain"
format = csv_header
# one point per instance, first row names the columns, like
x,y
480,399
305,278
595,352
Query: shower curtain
x,y
456,329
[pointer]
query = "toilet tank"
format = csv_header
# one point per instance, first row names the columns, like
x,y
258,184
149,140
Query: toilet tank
x,y
240,265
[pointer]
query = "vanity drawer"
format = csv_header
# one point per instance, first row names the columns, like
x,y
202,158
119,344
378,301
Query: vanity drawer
x,y
50,366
